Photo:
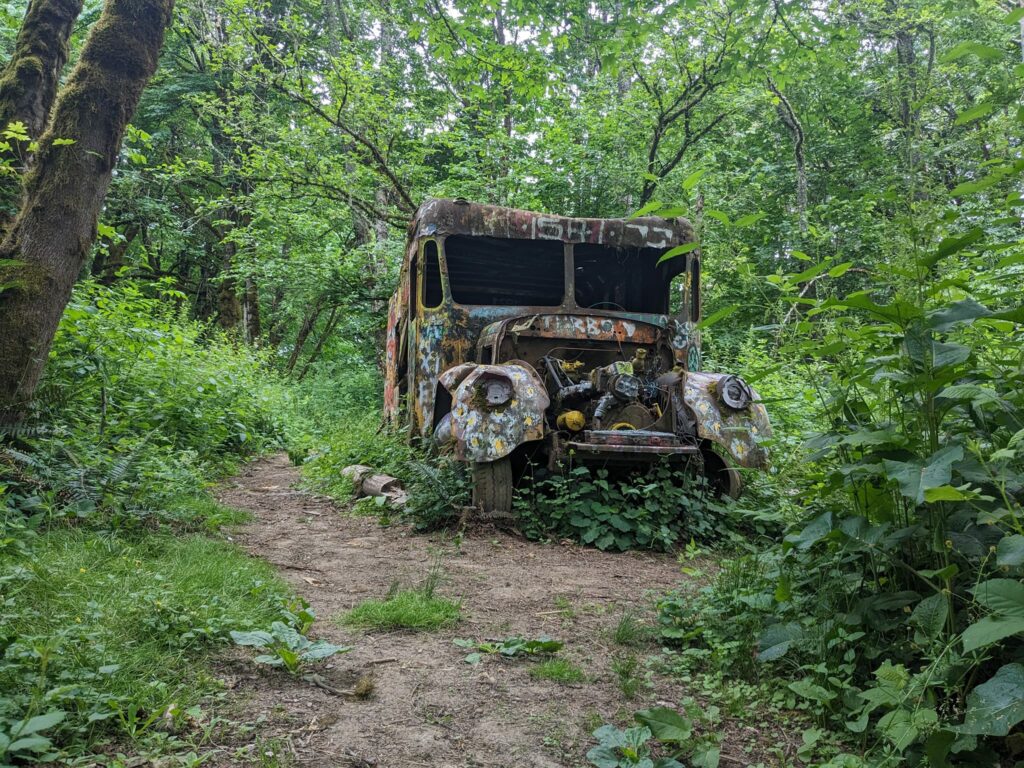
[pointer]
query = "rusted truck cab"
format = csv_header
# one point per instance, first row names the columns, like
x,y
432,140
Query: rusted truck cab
x,y
571,340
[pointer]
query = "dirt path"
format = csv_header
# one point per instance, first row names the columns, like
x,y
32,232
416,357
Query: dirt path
x,y
429,707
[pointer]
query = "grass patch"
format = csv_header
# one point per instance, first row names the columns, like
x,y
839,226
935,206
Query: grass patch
x,y
632,631
558,670
628,673
416,609
112,629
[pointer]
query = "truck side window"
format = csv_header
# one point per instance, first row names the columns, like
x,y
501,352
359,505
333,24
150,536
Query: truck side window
x,y
433,294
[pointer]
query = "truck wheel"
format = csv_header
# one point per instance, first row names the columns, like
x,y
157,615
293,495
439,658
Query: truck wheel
x,y
492,487
723,479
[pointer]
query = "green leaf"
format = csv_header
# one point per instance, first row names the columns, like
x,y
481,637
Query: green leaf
x,y
965,311
777,639
30,744
990,630
603,757
750,219
1010,551
996,706
666,724
950,245
719,215
929,616
898,727
946,355
257,639
945,493
968,48
915,477
41,723
714,317
1002,596
652,206
974,113
813,532
679,250
1014,16
691,181
809,690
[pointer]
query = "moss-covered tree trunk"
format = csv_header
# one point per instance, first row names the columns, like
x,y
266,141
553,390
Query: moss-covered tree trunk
x,y
46,246
28,82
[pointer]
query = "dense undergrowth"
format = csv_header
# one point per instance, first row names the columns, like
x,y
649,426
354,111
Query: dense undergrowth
x,y
110,589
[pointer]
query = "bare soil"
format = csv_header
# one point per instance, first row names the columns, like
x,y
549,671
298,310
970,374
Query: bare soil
x,y
429,707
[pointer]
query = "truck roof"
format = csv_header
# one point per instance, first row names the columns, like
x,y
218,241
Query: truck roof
x,y
460,217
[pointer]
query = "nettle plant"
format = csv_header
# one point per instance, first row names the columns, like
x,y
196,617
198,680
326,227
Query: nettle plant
x,y
906,583
653,510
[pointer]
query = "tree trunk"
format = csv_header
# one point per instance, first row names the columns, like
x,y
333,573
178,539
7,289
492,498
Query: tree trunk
x,y
789,119
251,311
300,339
51,237
332,321
28,84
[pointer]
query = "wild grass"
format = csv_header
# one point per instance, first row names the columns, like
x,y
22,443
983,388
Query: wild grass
x,y
416,609
631,630
558,670
628,674
128,619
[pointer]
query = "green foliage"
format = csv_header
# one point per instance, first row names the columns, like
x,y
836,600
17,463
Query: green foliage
x,y
558,670
650,511
287,646
356,438
510,647
660,727
438,492
139,410
111,630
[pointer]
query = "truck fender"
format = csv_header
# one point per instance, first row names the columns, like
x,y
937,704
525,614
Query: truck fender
x,y
738,431
483,430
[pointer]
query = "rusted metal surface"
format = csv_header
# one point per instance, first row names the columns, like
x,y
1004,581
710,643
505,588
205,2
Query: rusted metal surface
x,y
483,431
450,217
442,353
740,432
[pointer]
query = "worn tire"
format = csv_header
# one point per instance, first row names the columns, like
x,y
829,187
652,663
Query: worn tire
x,y
723,479
492,488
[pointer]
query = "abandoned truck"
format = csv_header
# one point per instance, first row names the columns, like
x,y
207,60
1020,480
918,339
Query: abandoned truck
x,y
516,334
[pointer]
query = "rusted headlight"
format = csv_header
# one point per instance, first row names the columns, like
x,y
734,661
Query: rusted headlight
x,y
735,392
496,391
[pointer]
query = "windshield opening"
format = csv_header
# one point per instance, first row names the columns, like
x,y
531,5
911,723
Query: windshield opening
x,y
624,279
504,272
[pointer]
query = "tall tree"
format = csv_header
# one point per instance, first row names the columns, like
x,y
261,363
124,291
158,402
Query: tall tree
x,y
47,244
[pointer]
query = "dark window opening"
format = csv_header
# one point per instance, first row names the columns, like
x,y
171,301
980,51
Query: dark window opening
x,y
624,279
496,271
432,292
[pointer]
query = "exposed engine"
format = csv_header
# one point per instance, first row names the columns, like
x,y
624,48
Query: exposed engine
x,y
623,395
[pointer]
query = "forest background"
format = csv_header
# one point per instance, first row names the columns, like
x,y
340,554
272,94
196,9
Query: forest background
x,y
852,169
